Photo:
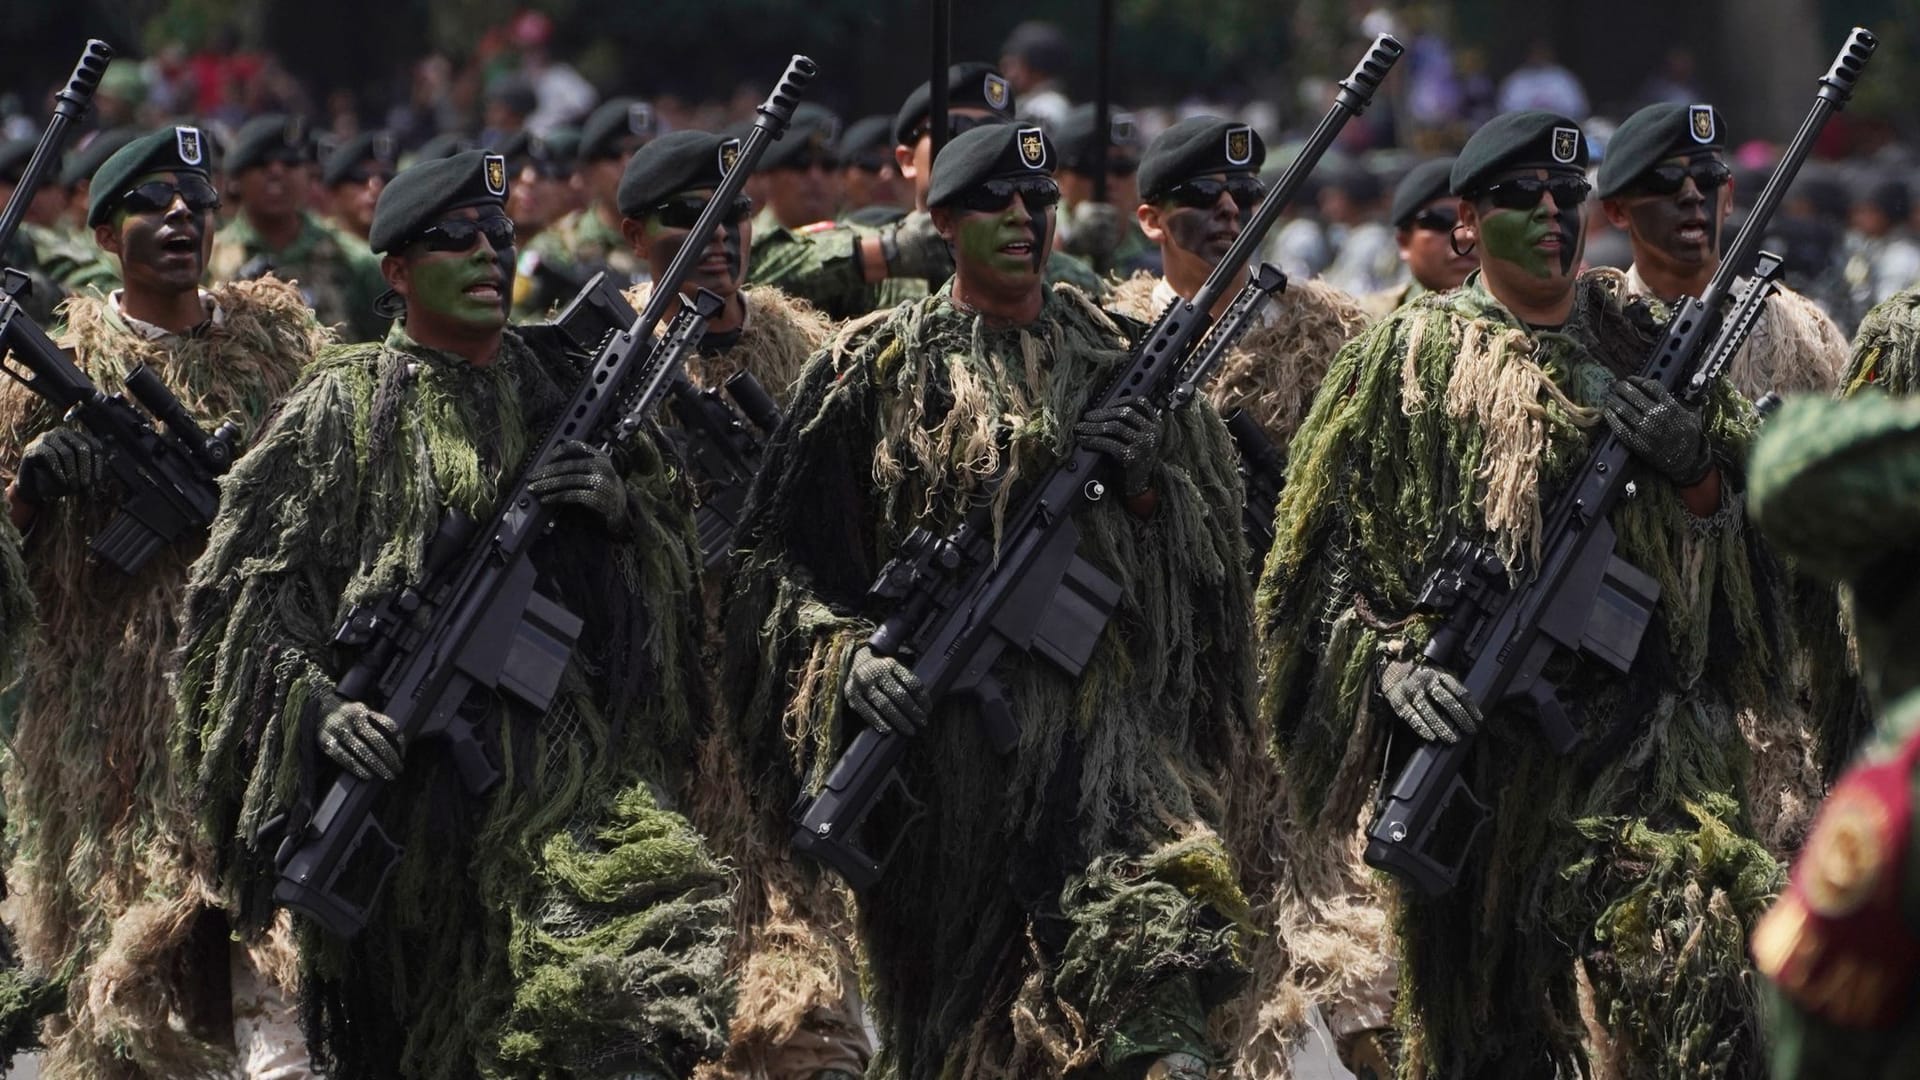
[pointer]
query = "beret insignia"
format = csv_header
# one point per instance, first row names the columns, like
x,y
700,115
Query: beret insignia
x,y
729,154
1239,145
995,91
496,168
1123,131
1566,145
187,141
384,148
640,118
1700,122
1033,149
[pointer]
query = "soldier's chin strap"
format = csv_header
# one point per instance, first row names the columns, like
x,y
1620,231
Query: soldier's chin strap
x,y
389,305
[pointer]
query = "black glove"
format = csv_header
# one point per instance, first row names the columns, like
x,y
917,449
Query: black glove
x,y
61,462
1664,434
363,742
583,477
886,693
913,248
1129,435
1431,701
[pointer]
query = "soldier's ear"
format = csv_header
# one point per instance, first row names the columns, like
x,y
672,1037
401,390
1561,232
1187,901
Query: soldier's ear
x,y
1616,212
943,223
107,237
903,160
635,232
1150,222
397,273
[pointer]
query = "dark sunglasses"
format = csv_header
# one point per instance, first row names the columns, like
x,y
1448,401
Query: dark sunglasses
x,y
1437,220
289,157
1523,192
156,196
366,175
457,234
872,162
995,195
681,211
956,125
1707,175
1202,194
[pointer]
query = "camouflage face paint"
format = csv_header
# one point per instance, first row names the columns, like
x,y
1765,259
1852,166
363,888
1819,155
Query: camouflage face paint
x,y
440,284
981,238
1514,236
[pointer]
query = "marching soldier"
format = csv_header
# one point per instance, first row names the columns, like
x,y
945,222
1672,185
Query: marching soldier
x,y
1425,215
354,175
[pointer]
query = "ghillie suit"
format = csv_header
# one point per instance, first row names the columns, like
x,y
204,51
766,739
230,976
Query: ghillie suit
x,y
792,947
569,921
1886,348
101,826
1796,348
24,999
1069,907
1626,872
1273,374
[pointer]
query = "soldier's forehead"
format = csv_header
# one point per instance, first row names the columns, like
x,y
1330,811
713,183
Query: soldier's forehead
x,y
1687,157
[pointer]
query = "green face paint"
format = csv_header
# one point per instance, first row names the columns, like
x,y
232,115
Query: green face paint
x,y
983,241
441,284
1514,235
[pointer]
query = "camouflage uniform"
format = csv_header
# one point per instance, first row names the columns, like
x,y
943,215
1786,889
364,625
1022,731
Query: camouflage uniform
x,y
337,275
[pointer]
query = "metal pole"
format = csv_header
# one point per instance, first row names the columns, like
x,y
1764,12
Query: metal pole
x,y
937,102
1102,99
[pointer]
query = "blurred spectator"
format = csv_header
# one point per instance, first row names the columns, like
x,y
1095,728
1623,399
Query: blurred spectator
x,y
1476,87
562,95
510,102
220,74
1882,256
1541,83
429,107
1034,59
1369,255
1673,81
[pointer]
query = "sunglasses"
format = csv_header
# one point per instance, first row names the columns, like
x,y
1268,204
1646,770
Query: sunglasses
x,y
156,196
1668,179
682,211
1204,193
289,157
956,125
1523,192
457,234
1437,220
996,195
363,176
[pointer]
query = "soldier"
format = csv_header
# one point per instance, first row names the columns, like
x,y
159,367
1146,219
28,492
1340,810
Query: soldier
x,y
588,240
799,986
33,245
1100,232
1067,909
354,175
1614,885
1666,184
76,175
1886,350
846,272
542,171
1882,256
1424,216
799,174
872,191
1368,260
1835,485
569,921
102,827
276,233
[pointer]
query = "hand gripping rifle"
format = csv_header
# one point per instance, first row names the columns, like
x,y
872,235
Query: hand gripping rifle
x,y
477,620
1582,599
722,447
959,601
168,471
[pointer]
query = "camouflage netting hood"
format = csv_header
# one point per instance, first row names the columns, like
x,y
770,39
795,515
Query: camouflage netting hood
x,y
98,821
568,920
1278,364
1794,348
1068,905
1449,419
781,332
1886,348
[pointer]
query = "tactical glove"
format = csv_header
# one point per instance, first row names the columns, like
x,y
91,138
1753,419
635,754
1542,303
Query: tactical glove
x,y
1093,231
363,742
1432,702
886,693
913,248
1129,435
585,478
63,461
1664,434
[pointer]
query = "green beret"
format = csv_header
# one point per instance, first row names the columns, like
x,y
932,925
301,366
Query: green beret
x,y
808,138
420,195
375,146
972,85
563,146
174,149
1074,135
84,162
1423,183
1653,135
264,136
674,162
14,155
1836,484
865,135
616,128
1198,146
990,152
1518,140
444,145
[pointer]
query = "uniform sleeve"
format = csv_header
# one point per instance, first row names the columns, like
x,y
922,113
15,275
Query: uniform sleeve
x,y
822,268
